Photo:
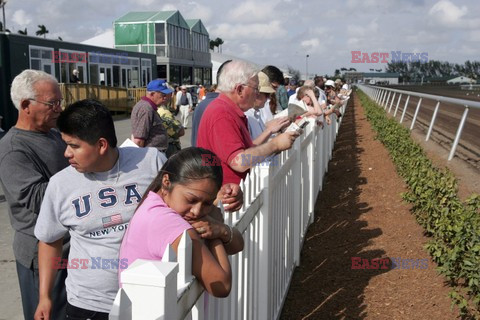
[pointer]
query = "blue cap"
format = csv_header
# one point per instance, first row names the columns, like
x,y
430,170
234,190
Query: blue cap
x,y
159,85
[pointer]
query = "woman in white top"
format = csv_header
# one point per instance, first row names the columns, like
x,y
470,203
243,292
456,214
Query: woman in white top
x,y
306,99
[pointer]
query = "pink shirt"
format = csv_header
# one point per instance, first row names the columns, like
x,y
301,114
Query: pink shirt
x,y
151,229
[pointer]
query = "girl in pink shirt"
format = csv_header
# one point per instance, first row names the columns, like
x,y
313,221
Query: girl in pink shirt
x,y
182,198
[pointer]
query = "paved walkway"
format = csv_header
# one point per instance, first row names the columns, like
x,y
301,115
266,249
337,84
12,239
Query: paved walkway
x,y
10,301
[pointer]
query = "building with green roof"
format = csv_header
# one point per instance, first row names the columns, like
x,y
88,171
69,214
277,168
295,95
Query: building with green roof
x,y
372,77
181,46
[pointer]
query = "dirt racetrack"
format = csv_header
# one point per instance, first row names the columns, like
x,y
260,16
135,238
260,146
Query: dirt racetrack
x,y
448,119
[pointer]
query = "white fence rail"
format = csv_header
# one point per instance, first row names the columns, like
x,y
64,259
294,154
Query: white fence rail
x,y
382,95
278,208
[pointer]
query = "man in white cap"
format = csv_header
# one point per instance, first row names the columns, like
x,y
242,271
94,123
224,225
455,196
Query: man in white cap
x,y
184,102
259,131
332,98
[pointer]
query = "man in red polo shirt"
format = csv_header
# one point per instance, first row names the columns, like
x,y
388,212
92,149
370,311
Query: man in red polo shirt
x,y
224,126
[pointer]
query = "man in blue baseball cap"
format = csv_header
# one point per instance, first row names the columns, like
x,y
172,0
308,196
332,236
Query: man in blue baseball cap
x,y
147,126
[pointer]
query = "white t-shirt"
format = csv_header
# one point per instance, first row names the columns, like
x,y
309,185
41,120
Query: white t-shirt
x,y
95,208
255,123
265,112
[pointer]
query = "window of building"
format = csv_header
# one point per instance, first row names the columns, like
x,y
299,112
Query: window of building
x,y
182,38
162,72
159,33
146,71
135,79
161,52
175,74
207,76
70,60
114,69
186,75
41,58
116,76
94,74
198,75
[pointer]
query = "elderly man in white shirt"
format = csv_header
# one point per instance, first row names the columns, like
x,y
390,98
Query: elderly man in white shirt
x,y
184,102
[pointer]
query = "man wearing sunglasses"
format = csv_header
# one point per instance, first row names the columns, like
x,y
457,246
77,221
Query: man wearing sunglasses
x,y
30,153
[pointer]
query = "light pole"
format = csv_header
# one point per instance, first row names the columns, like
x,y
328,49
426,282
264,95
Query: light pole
x,y
2,4
306,67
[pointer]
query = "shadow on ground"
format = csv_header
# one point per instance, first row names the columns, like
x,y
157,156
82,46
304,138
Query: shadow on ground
x,y
324,286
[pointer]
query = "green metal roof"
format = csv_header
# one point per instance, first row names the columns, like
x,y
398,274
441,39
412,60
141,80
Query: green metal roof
x,y
196,25
192,22
171,17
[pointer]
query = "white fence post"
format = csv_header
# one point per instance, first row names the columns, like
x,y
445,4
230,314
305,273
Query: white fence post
x,y
122,307
265,265
298,194
151,287
184,255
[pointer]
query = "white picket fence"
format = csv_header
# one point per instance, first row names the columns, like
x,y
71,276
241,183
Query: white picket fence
x,y
278,208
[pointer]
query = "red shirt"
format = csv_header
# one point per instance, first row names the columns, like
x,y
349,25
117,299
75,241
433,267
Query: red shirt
x,y
224,130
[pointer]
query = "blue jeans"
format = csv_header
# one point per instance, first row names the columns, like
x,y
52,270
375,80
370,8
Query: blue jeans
x,y
76,313
28,281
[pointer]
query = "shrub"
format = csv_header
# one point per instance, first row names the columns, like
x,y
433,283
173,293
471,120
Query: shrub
x,y
453,225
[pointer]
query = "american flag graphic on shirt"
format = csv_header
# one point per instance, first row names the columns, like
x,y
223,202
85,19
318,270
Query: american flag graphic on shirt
x,y
112,220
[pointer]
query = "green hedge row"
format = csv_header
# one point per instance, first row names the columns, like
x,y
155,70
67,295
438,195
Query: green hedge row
x,y
453,225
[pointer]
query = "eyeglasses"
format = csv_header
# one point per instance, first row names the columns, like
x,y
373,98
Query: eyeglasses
x,y
50,104
254,88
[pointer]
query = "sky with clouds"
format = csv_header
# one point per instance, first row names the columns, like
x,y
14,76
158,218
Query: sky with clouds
x,y
284,32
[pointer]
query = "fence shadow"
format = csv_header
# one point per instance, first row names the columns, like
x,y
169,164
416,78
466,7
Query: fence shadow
x,y
324,286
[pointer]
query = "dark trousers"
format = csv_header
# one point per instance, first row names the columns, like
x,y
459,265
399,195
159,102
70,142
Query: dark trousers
x,y
76,313
172,149
28,280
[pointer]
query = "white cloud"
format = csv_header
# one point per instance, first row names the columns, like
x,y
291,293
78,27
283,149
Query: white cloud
x,y
168,7
21,18
246,50
270,30
196,10
320,31
447,13
310,44
358,30
353,42
251,11
144,3
362,4
469,50
424,37
473,36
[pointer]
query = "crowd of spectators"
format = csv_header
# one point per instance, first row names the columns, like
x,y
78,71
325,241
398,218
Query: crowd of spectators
x,y
73,192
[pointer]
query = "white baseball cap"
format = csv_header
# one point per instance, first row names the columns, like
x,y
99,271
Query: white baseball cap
x,y
329,83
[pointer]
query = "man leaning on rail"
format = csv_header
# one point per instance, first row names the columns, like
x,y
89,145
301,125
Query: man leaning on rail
x,y
224,129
